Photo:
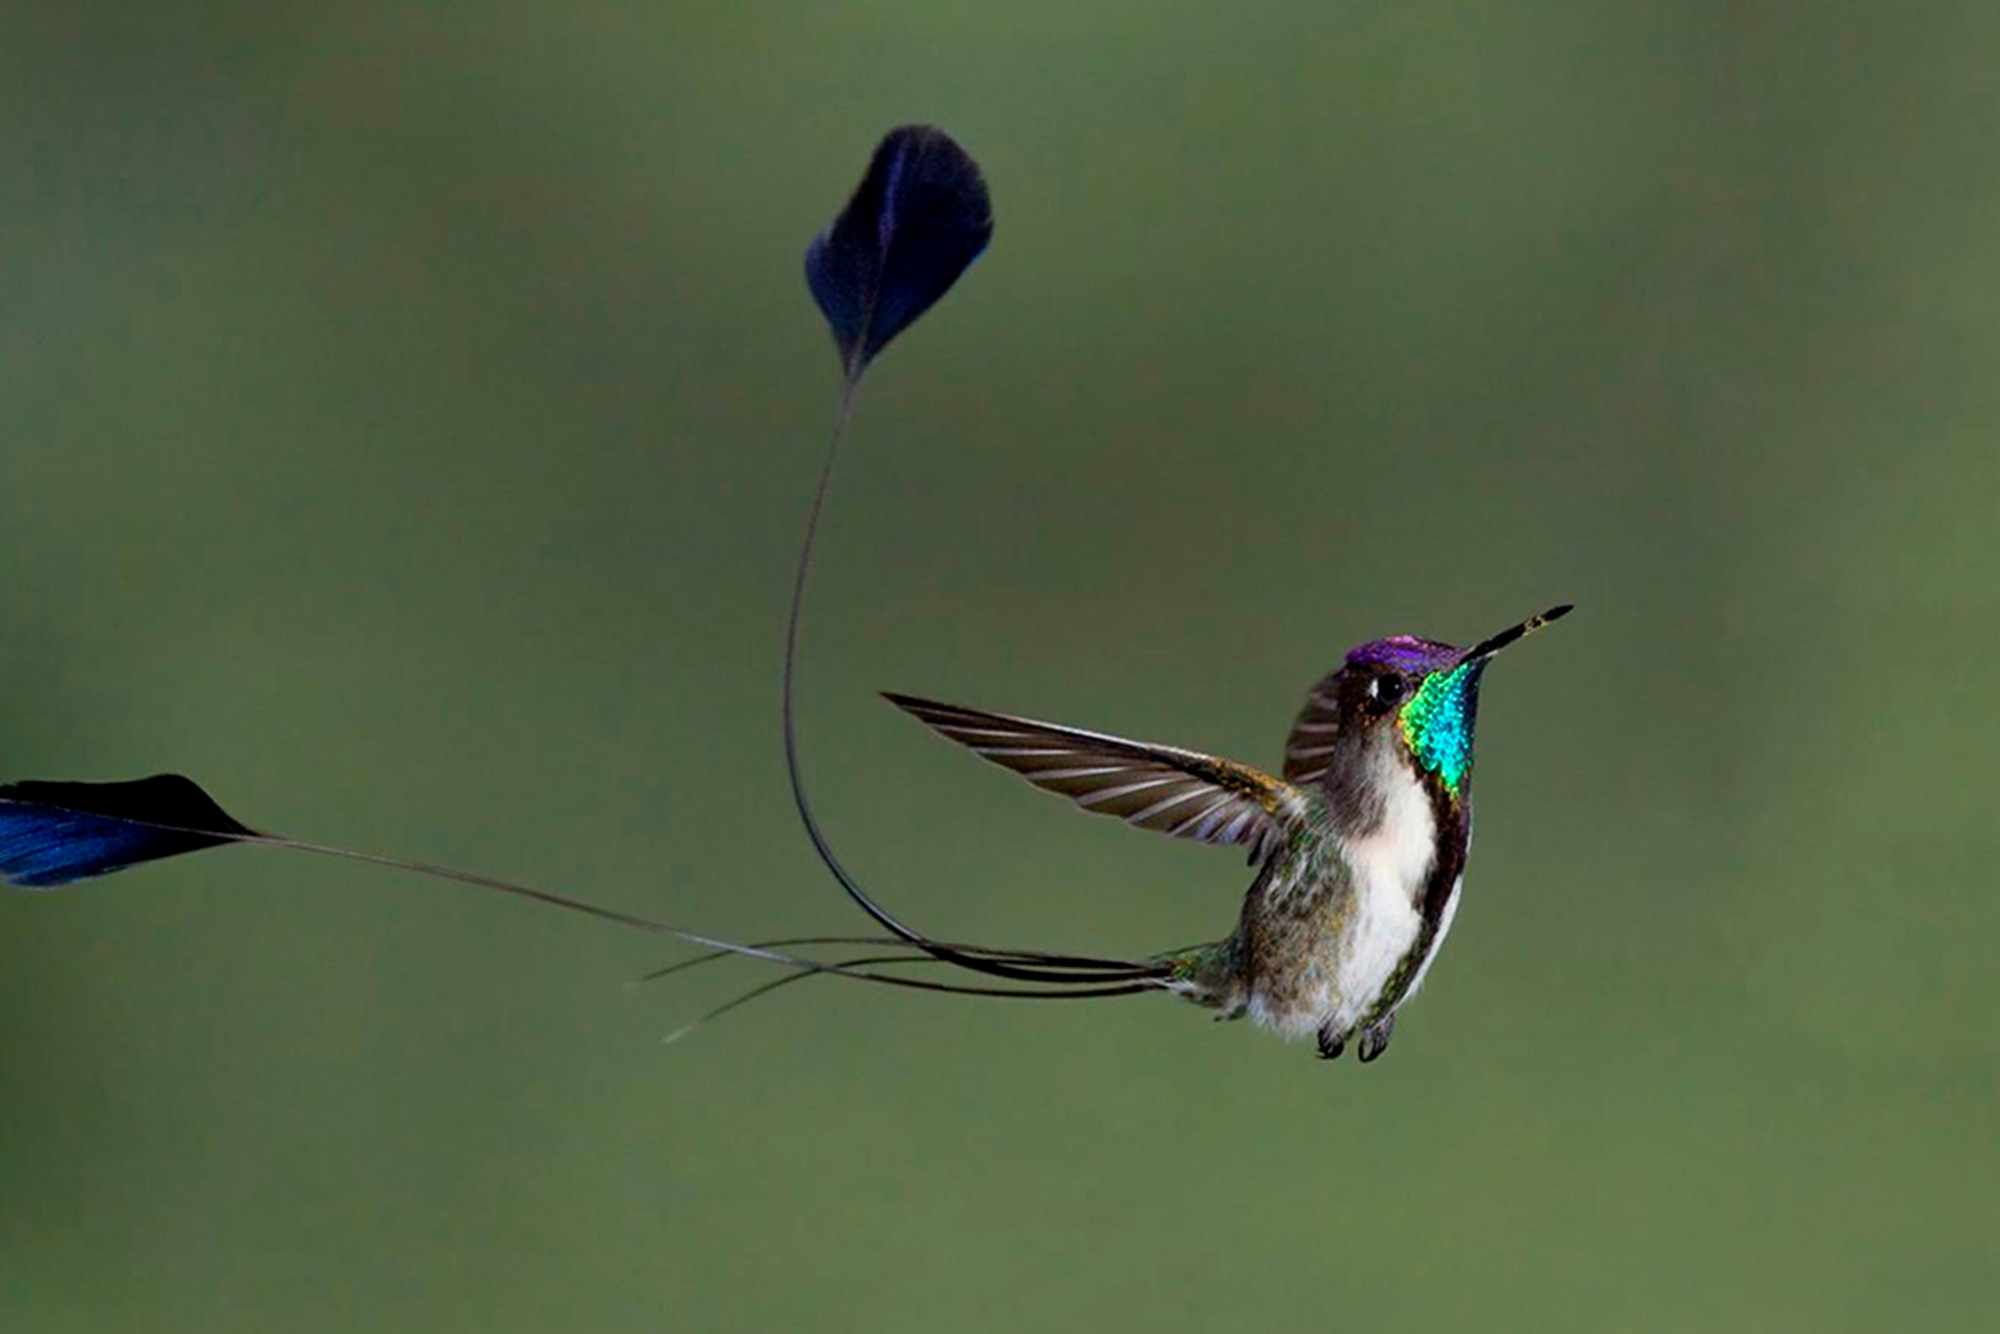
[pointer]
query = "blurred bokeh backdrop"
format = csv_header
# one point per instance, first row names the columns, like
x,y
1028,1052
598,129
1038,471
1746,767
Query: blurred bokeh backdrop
x,y
409,414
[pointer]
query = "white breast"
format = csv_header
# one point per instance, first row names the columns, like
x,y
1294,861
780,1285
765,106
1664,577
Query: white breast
x,y
1389,867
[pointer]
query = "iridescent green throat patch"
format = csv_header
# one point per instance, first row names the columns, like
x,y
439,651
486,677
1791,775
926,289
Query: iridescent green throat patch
x,y
1437,722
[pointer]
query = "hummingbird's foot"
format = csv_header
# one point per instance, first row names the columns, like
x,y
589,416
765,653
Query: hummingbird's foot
x,y
1331,1044
1376,1040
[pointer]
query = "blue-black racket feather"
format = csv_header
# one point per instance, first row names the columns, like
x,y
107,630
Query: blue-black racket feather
x,y
918,218
54,833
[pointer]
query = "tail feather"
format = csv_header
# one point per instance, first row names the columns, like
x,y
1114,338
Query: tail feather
x,y
57,833
53,834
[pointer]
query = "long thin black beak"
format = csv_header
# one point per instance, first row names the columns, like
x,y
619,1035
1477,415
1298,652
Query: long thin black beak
x,y
1487,648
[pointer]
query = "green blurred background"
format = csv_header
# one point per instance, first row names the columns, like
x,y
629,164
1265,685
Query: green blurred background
x,y
409,414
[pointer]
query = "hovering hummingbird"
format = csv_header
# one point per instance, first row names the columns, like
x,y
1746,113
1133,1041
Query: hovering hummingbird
x,y
1360,846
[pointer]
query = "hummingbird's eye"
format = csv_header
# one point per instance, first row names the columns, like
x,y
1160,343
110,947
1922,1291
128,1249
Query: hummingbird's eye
x,y
1389,688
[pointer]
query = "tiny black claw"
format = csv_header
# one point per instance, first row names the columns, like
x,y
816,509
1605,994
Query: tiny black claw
x,y
1376,1040
1331,1045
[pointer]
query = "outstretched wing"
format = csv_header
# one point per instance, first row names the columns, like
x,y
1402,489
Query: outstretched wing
x,y
1180,792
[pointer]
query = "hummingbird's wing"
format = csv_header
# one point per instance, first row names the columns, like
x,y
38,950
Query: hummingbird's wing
x,y
1180,792
1311,743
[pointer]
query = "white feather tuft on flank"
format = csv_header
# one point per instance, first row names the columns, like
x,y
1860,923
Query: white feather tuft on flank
x,y
1314,1000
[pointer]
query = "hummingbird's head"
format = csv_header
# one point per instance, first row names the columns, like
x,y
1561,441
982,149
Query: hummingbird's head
x,y
1404,697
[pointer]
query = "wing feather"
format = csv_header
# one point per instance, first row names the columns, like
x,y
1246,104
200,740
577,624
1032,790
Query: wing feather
x,y
1313,734
1182,793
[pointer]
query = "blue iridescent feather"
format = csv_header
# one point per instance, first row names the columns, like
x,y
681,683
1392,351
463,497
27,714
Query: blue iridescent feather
x,y
54,833
918,218
1438,722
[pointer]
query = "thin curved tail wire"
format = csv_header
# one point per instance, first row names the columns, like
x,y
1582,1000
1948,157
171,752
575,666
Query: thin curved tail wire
x,y
1056,969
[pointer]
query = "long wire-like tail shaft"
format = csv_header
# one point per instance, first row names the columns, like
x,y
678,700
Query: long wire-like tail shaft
x,y
1055,969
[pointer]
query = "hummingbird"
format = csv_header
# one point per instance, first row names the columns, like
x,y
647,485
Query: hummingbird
x,y
1360,846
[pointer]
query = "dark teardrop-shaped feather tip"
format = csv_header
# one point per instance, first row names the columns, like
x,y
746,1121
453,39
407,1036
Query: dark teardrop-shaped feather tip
x,y
918,218
54,833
